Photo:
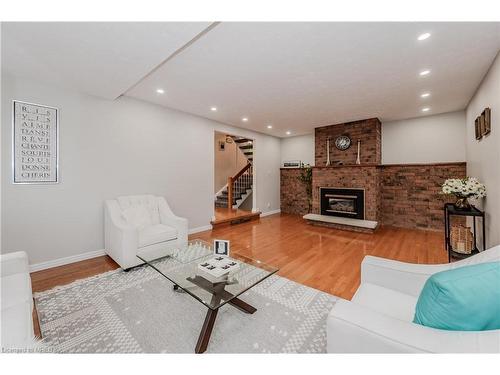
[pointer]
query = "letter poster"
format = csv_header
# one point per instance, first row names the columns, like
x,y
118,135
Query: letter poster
x,y
35,146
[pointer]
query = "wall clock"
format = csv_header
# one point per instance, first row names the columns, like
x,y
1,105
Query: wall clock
x,y
343,142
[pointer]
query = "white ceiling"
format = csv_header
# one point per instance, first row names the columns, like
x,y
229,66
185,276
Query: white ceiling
x,y
295,76
103,59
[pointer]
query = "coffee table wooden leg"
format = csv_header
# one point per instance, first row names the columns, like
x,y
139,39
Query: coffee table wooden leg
x,y
243,306
206,331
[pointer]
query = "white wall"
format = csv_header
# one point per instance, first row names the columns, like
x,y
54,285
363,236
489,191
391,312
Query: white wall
x,y
483,157
112,148
430,139
300,148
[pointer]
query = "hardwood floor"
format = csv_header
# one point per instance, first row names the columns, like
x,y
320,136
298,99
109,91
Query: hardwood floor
x,y
322,258
325,258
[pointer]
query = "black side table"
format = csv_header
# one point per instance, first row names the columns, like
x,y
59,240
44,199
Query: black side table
x,y
450,210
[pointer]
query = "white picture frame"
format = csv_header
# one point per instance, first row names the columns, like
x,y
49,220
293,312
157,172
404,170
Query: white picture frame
x,y
221,248
35,143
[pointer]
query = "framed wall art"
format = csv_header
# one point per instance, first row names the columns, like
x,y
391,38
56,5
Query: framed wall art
x,y
477,129
481,124
35,143
487,120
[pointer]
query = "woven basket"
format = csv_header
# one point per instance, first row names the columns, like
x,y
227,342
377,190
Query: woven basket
x,y
461,239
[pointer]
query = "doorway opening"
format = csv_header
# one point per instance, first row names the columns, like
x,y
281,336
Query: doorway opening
x,y
234,179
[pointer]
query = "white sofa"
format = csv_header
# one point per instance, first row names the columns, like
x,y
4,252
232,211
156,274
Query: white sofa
x,y
16,302
379,317
141,225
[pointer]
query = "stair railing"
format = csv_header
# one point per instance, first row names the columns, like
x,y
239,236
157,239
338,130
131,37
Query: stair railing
x,y
237,182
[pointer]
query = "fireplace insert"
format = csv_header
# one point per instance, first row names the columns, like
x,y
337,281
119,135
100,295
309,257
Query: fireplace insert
x,y
342,202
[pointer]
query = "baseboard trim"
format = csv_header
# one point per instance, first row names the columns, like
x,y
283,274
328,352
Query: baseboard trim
x,y
270,213
200,229
66,260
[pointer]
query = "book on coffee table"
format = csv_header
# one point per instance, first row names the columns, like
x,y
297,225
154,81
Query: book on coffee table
x,y
217,268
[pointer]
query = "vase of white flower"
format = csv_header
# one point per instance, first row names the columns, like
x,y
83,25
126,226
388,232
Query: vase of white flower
x,y
462,203
463,189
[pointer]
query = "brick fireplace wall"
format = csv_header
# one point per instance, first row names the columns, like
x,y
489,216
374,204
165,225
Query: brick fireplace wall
x,y
367,131
410,194
293,197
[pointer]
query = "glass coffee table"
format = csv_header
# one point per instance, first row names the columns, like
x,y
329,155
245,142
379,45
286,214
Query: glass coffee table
x,y
186,276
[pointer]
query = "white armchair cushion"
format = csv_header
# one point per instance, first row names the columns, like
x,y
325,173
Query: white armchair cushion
x,y
156,234
137,216
386,301
149,202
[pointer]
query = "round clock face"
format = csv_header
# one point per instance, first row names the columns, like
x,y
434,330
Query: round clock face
x,y
343,142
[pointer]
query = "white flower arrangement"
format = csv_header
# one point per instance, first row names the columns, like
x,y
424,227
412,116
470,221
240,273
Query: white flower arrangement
x,y
468,187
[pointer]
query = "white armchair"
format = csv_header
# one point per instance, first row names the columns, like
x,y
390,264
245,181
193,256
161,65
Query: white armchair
x,y
379,318
16,301
141,225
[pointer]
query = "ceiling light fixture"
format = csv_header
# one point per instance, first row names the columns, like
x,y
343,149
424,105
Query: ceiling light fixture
x,y
425,72
425,95
288,132
244,119
213,109
269,126
426,109
160,91
424,36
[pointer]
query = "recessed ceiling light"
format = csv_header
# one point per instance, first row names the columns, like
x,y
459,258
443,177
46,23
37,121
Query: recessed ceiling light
x,y
426,109
160,91
288,132
425,72
425,95
213,109
269,126
424,36
244,119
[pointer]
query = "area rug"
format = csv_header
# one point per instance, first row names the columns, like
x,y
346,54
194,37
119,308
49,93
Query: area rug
x,y
139,312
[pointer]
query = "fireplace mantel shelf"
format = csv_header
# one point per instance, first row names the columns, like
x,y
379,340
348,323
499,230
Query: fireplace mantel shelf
x,y
371,165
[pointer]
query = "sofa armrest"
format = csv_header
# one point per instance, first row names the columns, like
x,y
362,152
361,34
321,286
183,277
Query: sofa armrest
x,y
403,277
352,328
167,217
121,239
14,263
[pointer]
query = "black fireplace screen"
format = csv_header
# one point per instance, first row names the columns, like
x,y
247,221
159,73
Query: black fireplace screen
x,y
342,202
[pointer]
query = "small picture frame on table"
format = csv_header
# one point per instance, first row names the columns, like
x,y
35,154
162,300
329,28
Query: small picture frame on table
x,y
221,248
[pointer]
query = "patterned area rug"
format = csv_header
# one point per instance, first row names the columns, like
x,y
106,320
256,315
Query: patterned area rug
x,y
138,312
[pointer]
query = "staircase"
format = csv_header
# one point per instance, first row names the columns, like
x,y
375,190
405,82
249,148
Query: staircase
x,y
239,186
245,145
